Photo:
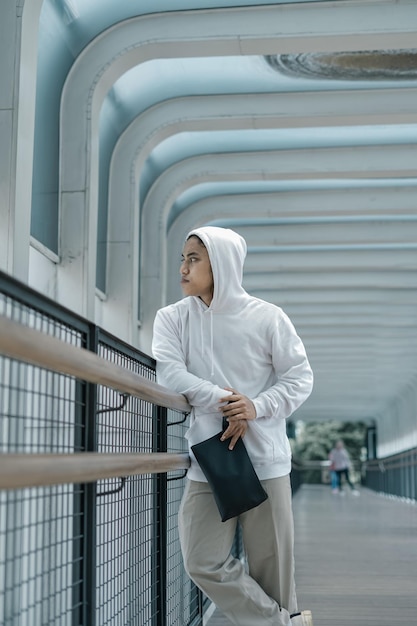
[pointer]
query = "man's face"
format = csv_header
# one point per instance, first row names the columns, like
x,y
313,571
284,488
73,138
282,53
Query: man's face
x,y
195,270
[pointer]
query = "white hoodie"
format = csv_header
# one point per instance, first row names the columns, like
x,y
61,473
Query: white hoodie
x,y
239,342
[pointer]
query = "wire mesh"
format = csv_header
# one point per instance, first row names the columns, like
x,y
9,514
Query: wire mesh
x,y
183,598
40,528
395,475
129,551
125,518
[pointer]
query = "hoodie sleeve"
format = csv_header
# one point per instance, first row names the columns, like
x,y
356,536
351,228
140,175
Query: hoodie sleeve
x,y
293,373
171,369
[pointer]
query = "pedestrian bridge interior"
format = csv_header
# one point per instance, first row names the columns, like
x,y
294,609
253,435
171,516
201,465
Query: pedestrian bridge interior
x,y
123,125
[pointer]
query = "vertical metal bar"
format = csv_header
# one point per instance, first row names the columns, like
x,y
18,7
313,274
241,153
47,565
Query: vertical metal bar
x,y
161,521
197,602
90,492
78,509
85,543
14,509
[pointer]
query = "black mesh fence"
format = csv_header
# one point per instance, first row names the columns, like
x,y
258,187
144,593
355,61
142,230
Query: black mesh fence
x,y
103,553
395,475
40,529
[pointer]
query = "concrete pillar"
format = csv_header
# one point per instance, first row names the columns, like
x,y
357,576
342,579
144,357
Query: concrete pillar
x,y
18,62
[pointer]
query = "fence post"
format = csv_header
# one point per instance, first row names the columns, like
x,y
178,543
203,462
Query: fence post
x,y
85,542
160,532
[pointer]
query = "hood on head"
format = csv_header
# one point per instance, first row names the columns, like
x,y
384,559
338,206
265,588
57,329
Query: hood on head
x,y
227,252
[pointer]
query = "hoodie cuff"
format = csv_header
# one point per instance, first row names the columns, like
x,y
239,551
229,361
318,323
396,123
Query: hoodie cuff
x,y
259,407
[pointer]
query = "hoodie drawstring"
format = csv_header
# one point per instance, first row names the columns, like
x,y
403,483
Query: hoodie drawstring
x,y
201,335
211,344
211,339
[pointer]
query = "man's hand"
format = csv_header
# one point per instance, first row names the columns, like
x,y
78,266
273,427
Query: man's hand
x,y
237,411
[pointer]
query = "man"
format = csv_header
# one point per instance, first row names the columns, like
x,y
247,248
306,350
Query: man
x,y
235,355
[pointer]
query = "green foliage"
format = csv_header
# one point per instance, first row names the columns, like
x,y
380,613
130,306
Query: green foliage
x,y
318,438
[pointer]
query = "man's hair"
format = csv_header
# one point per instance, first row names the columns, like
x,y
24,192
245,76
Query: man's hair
x,y
198,239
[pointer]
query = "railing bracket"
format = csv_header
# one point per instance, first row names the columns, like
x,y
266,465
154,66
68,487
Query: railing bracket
x,y
115,490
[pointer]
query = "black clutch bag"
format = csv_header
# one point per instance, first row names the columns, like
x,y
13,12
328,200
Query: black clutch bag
x,y
230,473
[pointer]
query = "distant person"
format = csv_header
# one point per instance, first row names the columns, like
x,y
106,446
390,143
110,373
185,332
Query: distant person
x,y
333,477
237,356
340,461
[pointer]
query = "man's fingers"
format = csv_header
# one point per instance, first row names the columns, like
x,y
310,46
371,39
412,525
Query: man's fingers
x,y
242,408
235,418
233,442
229,432
233,410
233,432
229,398
233,406
234,439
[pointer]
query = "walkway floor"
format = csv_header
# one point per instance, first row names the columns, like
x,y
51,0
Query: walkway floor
x,y
356,559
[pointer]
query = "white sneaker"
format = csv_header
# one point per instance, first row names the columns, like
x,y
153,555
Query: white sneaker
x,y
304,618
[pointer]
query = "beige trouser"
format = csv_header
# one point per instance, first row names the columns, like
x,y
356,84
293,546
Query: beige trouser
x,y
266,595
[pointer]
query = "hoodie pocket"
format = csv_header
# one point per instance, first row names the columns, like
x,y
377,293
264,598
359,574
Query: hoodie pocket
x,y
267,442
260,446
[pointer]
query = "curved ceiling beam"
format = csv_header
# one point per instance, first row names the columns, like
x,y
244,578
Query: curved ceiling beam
x,y
251,111
241,31
351,279
258,111
347,233
370,198
326,164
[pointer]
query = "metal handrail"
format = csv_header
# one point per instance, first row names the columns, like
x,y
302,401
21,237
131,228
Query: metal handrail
x,y
34,347
27,470
36,470
318,465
